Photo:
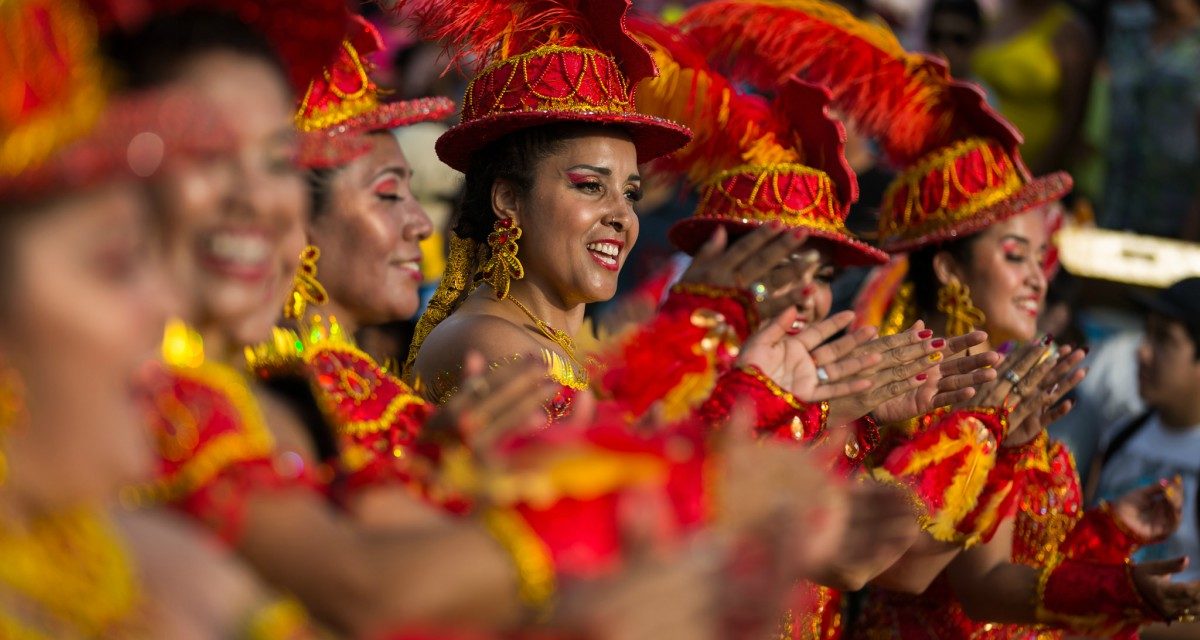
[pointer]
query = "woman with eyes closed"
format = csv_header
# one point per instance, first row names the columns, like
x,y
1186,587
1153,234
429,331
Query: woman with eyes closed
x,y
962,178
983,267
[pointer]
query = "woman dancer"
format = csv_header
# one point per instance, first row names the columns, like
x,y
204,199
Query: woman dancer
x,y
965,178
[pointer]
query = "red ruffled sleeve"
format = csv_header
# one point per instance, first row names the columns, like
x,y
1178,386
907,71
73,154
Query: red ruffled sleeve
x,y
674,361
948,465
214,450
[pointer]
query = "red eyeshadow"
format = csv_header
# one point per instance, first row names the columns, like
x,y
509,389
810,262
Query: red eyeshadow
x,y
578,178
387,186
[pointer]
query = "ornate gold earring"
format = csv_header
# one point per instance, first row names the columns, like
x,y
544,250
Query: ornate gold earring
x,y
503,266
12,410
306,289
962,316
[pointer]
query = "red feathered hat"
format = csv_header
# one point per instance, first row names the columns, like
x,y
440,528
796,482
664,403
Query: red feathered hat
x,y
343,100
753,161
544,62
57,128
961,170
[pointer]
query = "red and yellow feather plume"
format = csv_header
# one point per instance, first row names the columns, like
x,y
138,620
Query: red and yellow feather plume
x,y
733,128
495,30
897,96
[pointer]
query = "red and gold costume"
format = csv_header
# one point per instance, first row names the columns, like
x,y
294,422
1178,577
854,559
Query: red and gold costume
x,y
960,172
214,448
1051,529
754,162
542,62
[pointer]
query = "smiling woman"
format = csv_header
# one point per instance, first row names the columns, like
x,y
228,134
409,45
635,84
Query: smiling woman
x,y
547,218
568,190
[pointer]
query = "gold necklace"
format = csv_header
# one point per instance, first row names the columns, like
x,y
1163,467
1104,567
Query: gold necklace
x,y
73,567
572,374
557,336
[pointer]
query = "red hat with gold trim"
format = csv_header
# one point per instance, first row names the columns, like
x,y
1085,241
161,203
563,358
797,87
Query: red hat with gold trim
x,y
961,167
543,62
58,130
753,161
343,100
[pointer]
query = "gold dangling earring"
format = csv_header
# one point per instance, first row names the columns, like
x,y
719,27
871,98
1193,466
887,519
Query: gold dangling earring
x,y
503,266
306,289
962,316
12,410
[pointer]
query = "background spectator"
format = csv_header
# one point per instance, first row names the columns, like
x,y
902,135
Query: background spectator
x,y
1163,442
1154,145
1038,58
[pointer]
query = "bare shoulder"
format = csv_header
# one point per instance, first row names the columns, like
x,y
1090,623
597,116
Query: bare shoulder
x,y
439,363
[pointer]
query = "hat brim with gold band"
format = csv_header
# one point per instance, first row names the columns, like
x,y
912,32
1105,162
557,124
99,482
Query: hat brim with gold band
x,y
343,102
753,161
546,62
966,185
742,200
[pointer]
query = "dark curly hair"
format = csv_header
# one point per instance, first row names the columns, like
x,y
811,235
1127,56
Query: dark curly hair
x,y
922,275
513,159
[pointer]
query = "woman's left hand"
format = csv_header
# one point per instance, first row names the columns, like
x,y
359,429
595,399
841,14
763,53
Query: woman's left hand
x,y
791,359
1152,513
952,382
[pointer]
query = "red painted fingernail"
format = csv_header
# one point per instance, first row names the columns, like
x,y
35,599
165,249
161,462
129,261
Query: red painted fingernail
x,y
938,344
1085,350
921,377
925,333
1048,339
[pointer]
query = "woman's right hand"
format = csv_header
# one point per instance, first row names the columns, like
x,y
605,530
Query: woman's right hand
x,y
753,260
492,402
1152,513
1175,601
